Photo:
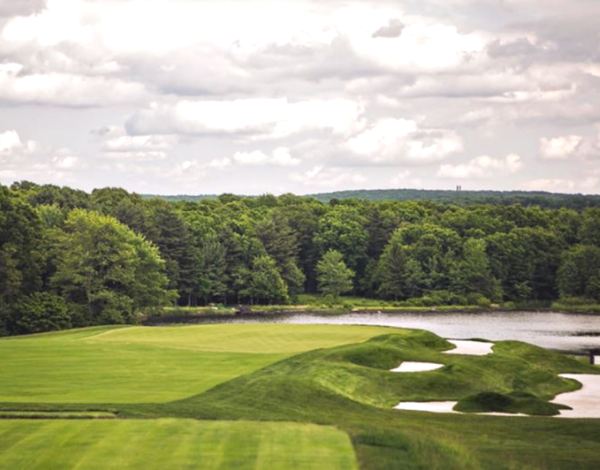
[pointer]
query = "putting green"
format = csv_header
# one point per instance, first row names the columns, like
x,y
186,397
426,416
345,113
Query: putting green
x,y
265,338
171,443
151,364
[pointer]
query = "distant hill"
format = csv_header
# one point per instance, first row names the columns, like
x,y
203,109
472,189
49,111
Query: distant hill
x,y
526,198
180,197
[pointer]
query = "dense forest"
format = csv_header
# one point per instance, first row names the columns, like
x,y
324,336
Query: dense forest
x,y
525,198
69,258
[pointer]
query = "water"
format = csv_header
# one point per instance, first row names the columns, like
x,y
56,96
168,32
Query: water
x,y
560,331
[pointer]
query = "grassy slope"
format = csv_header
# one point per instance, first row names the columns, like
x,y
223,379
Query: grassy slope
x,y
142,364
171,443
349,386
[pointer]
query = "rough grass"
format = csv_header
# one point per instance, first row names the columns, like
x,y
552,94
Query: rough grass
x,y
150,364
171,443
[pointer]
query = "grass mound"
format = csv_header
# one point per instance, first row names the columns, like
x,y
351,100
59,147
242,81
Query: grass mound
x,y
516,402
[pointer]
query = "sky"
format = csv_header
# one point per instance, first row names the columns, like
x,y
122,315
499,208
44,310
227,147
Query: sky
x,y
250,97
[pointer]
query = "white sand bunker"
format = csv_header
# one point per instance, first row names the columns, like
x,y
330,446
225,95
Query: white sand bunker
x,y
443,407
431,406
470,348
408,366
585,401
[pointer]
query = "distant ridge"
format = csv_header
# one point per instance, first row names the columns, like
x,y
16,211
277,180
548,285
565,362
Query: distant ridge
x,y
526,198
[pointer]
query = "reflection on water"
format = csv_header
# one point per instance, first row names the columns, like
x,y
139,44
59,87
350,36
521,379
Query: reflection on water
x,y
561,331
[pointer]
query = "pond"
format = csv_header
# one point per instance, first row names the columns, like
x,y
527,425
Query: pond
x,y
554,330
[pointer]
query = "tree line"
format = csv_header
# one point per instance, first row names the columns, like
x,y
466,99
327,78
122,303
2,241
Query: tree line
x,y
71,258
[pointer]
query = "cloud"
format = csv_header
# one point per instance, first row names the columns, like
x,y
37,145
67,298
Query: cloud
x,y
392,30
481,167
564,185
269,118
9,141
28,159
220,163
10,8
118,145
12,146
321,177
279,157
385,85
559,148
64,89
392,140
571,146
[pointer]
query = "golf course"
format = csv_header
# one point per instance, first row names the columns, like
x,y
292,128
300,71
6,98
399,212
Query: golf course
x,y
263,395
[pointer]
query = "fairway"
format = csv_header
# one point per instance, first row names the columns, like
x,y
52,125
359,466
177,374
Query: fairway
x,y
151,364
171,443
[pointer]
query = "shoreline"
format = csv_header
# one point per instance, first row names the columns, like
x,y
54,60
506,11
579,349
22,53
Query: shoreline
x,y
192,314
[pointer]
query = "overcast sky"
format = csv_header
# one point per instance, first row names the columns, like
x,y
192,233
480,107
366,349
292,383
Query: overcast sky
x,y
250,97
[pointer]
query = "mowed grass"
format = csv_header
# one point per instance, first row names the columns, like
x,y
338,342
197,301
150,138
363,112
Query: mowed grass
x,y
151,364
171,443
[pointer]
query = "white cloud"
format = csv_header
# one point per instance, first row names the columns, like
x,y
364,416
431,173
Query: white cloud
x,y
330,178
565,185
220,163
9,141
257,117
64,89
402,140
28,159
481,167
279,157
559,148
120,146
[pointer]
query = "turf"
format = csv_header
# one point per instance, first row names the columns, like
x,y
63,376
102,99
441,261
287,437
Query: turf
x,y
350,387
336,376
171,443
150,364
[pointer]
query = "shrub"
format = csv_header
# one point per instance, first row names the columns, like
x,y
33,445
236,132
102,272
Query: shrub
x,y
40,312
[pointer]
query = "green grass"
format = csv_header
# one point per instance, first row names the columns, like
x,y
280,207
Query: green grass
x,y
150,364
57,415
239,374
350,387
171,444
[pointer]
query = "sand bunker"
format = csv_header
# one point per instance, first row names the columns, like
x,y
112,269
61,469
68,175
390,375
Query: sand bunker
x,y
470,348
443,407
408,366
585,401
431,406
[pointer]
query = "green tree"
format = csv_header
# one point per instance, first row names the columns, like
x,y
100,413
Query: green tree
x,y
472,274
21,260
106,271
170,234
589,232
343,229
579,272
265,283
333,275
211,280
